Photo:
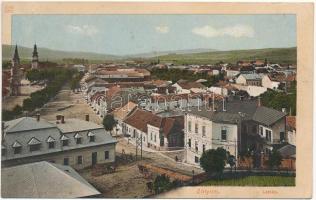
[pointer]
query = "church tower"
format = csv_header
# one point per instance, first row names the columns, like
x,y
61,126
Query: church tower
x,y
15,75
35,58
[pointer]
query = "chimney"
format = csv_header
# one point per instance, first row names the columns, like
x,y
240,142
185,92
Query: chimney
x,y
284,110
87,117
38,117
259,102
62,119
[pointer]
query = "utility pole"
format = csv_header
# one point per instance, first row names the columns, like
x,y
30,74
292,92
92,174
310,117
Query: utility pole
x,y
139,142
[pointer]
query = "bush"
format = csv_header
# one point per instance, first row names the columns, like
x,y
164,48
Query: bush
x,y
213,161
162,183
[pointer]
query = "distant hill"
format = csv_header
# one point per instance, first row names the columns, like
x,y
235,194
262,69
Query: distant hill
x,y
163,53
53,55
274,55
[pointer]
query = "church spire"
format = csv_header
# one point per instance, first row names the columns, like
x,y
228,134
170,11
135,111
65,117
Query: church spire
x,y
35,53
16,58
35,58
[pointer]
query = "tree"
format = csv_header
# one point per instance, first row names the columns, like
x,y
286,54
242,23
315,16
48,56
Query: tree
x,y
213,161
275,159
162,183
109,122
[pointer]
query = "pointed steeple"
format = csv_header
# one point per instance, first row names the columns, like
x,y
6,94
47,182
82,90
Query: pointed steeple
x,y
16,58
35,53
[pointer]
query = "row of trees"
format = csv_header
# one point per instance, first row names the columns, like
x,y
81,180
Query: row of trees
x,y
213,161
176,74
55,79
75,81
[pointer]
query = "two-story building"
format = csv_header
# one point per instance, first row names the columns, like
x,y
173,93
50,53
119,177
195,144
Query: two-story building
x,y
235,125
73,142
155,131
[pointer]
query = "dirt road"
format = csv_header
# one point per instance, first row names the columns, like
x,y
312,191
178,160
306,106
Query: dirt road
x,y
127,181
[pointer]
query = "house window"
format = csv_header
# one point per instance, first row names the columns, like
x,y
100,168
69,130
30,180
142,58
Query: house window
x,y
78,141
189,126
66,161
196,159
268,135
282,136
203,131
261,130
79,160
35,147
17,150
106,155
189,143
144,138
51,145
65,143
151,136
224,134
92,138
196,146
196,128
155,139
203,148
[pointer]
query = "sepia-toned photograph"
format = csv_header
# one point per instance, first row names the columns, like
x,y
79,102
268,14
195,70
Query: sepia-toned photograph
x,y
142,100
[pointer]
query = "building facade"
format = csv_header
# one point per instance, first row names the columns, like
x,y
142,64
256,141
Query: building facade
x,y
73,142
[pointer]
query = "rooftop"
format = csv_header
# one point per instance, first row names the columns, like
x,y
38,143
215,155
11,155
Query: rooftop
x,y
76,125
44,180
26,123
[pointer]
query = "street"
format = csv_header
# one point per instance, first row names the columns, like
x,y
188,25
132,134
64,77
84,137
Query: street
x,y
127,181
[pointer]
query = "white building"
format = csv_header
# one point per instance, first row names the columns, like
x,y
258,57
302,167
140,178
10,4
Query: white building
x,y
219,90
73,142
268,83
209,130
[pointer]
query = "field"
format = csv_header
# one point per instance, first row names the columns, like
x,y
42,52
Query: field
x,y
253,181
277,55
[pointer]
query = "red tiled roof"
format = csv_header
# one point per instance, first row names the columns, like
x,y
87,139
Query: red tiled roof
x,y
140,118
189,85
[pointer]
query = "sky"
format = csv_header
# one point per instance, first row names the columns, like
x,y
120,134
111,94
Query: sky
x,y
134,34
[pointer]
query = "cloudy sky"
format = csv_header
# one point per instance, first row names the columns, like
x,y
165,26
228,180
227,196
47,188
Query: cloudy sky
x,y
132,34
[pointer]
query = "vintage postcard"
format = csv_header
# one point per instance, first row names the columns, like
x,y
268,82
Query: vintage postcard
x,y
156,100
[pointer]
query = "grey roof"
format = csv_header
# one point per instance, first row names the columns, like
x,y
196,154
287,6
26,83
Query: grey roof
x,y
26,123
267,116
222,117
44,180
287,151
75,125
240,110
252,76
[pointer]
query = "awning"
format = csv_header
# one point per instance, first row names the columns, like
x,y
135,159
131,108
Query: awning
x,y
16,144
50,139
90,134
34,141
78,136
64,137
